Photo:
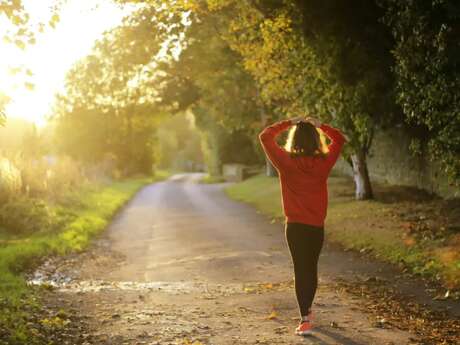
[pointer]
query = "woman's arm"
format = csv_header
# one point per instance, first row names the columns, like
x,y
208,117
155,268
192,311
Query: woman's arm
x,y
337,141
267,138
336,137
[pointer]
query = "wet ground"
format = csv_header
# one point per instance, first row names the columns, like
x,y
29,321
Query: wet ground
x,y
183,264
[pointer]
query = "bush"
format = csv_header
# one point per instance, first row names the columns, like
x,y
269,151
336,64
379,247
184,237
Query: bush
x,y
64,174
10,180
34,174
49,176
21,216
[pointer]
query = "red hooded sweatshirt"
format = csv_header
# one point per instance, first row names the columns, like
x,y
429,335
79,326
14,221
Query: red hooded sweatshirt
x,y
303,179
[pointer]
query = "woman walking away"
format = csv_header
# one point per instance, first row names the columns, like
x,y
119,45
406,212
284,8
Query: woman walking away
x,y
303,166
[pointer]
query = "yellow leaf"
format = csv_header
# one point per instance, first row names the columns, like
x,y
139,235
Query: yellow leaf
x,y
273,315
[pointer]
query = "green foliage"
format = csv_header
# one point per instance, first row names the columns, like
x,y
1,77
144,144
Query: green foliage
x,y
427,60
332,60
324,58
207,78
358,64
178,144
212,139
107,109
24,216
221,146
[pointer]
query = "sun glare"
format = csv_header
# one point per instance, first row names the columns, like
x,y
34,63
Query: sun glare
x,y
56,50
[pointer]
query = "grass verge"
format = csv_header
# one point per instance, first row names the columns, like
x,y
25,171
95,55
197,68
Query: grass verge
x,y
401,226
81,215
209,179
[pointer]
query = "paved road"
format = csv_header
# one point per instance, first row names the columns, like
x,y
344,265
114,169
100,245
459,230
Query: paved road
x,y
181,230
183,264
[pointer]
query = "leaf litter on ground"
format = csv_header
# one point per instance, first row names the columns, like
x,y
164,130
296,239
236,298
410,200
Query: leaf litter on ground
x,y
393,309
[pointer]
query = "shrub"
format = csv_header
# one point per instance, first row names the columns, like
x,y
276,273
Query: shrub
x,y
64,174
34,175
21,216
10,180
49,176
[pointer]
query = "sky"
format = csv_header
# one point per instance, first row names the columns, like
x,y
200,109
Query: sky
x,y
81,23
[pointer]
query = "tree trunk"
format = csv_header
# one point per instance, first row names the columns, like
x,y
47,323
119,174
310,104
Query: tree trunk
x,y
270,170
361,176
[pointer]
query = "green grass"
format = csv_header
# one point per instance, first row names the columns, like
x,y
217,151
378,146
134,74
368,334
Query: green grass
x,y
87,214
369,226
209,179
260,191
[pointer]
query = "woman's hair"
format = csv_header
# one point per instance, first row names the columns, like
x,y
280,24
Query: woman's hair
x,y
305,140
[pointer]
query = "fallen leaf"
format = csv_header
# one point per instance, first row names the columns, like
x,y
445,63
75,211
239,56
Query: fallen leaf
x,y
273,315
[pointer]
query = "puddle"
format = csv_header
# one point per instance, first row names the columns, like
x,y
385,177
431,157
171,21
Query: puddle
x,y
52,274
160,286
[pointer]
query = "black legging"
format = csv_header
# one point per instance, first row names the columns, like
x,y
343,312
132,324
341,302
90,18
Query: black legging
x,y
305,243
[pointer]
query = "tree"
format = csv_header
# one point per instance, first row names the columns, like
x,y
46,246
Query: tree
x,y
105,108
15,13
179,144
208,78
329,58
427,68
20,32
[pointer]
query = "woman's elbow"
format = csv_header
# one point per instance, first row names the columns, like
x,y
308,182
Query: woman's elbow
x,y
263,136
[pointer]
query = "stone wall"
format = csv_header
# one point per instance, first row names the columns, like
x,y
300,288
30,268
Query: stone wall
x,y
391,161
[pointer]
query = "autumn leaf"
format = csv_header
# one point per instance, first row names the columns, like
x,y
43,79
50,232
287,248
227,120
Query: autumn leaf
x,y
409,241
273,315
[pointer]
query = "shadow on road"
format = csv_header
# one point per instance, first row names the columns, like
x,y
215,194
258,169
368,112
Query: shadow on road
x,y
320,337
